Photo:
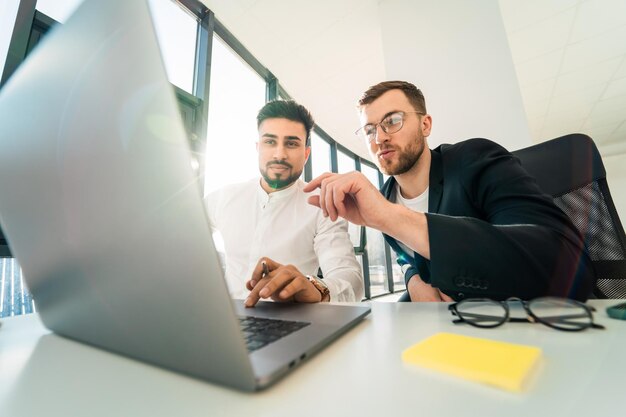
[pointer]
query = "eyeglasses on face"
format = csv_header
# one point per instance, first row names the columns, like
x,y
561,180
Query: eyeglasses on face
x,y
391,123
558,313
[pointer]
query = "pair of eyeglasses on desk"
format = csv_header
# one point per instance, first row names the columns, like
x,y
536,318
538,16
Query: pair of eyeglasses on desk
x,y
558,313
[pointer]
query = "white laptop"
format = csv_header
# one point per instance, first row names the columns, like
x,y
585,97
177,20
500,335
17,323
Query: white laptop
x,y
103,212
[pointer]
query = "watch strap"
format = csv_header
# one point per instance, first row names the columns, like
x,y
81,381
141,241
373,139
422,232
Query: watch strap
x,y
320,286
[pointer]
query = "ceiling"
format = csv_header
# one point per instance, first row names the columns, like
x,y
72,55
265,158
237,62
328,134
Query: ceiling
x,y
569,57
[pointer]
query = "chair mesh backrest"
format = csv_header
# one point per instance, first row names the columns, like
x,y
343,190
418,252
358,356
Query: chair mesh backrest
x,y
570,169
588,210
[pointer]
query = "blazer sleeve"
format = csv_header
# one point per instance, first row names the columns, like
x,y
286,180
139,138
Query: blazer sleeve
x,y
519,245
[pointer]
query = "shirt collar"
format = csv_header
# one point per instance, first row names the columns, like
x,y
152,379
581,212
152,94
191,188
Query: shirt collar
x,y
276,196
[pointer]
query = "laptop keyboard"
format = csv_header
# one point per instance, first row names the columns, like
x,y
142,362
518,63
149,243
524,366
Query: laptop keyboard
x,y
260,332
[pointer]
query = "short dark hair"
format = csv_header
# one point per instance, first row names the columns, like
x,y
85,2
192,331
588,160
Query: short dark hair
x,y
290,110
414,94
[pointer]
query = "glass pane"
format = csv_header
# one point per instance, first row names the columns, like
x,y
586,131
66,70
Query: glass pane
x,y
345,163
355,234
176,31
175,28
8,12
320,155
376,253
398,277
15,299
371,174
360,259
376,246
59,10
237,95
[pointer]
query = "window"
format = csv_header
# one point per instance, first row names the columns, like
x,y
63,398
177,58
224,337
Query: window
x,y
176,31
175,28
237,93
376,246
59,10
14,296
398,276
320,155
8,13
345,163
239,86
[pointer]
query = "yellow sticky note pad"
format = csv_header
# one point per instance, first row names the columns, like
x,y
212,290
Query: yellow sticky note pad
x,y
504,365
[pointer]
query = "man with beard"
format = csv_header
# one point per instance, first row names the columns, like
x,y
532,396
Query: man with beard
x,y
466,220
274,241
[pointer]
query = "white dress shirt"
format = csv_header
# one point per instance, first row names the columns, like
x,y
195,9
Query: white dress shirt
x,y
284,227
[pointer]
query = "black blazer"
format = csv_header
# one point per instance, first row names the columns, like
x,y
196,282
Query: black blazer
x,y
492,231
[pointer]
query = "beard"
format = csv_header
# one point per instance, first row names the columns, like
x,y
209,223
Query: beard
x,y
407,157
278,181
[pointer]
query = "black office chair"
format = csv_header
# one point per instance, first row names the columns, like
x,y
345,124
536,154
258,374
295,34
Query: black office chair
x,y
570,169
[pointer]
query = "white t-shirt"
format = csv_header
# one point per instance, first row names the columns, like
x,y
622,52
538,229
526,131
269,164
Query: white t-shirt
x,y
419,203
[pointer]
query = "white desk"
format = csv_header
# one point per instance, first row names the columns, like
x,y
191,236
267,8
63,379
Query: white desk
x,y
361,374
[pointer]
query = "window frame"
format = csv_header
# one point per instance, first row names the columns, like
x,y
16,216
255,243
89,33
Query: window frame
x,y
31,25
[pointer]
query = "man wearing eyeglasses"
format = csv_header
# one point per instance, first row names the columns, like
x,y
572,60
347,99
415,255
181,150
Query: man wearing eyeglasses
x,y
466,220
274,241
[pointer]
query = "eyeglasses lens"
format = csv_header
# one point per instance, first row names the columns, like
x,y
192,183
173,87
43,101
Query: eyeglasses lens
x,y
482,313
392,123
560,313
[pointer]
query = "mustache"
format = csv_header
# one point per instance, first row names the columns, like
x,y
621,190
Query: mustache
x,y
283,163
386,148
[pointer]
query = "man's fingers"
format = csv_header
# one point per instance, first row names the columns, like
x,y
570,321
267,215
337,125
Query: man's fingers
x,y
277,282
257,272
328,201
284,284
339,197
291,289
271,285
263,266
254,296
445,297
314,200
334,197
260,276
316,182
323,198
322,183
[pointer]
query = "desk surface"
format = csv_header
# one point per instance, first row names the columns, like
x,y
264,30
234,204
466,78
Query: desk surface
x,y
361,374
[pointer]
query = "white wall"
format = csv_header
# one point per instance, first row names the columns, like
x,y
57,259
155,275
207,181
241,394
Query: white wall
x,y
457,52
